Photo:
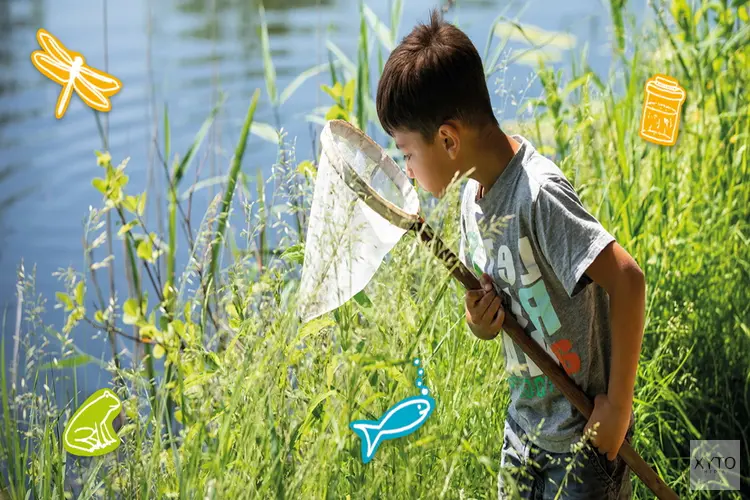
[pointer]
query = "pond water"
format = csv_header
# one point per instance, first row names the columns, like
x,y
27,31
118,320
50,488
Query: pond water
x,y
180,53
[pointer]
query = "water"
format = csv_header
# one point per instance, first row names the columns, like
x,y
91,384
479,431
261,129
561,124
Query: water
x,y
180,53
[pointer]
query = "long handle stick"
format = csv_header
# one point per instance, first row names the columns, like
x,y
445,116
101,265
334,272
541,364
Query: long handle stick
x,y
545,363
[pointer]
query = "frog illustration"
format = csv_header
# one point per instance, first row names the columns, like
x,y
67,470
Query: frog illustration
x,y
89,432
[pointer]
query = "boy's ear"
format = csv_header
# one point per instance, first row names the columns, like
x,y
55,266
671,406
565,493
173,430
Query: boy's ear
x,y
449,138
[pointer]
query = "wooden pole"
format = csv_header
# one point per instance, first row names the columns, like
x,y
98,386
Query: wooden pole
x,y
545,363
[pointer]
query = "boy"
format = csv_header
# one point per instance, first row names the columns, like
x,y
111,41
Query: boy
x,y
571,286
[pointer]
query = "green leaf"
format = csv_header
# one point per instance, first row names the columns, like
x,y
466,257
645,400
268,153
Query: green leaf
x,y
265,132
70,362
127,227
141,208
73,320
130,203
158,351
99,316
121,180
742,13
179,327
123,164
334,92
65,299
314,326
575,84
148,331
130,311
103,159
79,293
301,78
362,299
349,95
307,168
100,184
145,250
336,112
295,254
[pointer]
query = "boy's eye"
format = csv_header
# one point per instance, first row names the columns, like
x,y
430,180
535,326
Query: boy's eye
x,y
406,157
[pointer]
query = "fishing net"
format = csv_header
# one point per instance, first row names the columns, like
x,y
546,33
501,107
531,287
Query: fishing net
x,y
362,205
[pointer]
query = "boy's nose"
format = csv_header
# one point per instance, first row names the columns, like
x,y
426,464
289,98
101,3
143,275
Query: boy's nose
x,y
409,173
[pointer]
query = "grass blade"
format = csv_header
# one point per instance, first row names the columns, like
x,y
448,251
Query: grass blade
x,y
167,135
345,61
396,14
381,30
182,167
363,74
265,132
301,78
268,67
233,173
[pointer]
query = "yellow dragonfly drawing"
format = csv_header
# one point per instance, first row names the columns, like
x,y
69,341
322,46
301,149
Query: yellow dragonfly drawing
x,y
69,69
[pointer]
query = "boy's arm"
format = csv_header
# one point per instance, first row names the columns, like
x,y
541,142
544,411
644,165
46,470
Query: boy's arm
x,y
616,271
575,244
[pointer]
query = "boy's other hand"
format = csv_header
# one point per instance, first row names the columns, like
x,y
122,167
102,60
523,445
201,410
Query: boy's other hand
x,y
613,425
484,310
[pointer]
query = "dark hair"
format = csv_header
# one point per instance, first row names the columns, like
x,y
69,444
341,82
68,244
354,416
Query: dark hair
x,y
435,74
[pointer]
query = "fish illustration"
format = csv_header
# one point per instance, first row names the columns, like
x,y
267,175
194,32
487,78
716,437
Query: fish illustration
x,y
400,420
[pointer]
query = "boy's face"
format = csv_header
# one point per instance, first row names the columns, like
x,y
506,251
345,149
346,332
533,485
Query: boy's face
x,y
433,165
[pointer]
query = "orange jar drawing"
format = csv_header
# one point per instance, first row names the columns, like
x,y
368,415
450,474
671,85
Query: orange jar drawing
x,y
661,110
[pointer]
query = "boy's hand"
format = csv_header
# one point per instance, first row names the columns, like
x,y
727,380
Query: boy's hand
x,y
484,312
613,425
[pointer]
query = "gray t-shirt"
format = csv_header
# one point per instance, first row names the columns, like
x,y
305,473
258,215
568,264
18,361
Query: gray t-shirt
x,y
533,236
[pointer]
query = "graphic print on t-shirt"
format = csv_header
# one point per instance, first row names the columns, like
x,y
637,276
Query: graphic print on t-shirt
x,y
533,309
530,232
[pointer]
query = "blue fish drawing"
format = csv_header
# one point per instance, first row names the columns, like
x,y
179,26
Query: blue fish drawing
x,y
400,420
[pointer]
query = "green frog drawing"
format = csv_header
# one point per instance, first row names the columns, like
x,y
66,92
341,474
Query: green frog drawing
x,y
89,432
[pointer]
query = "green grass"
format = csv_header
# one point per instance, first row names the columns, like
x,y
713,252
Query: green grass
x,y
265,413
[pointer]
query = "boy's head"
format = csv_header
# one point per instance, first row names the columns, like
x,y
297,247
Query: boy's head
x,y
431,95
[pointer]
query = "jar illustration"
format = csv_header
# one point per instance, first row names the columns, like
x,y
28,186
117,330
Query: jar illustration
x,y
661,110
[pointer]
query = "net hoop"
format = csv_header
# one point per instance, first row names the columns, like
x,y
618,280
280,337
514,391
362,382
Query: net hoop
x,y
359,140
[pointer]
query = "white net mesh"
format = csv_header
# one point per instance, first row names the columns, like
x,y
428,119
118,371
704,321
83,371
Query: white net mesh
x,y
346,239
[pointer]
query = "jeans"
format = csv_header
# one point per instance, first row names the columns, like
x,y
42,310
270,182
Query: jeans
x,y
538,474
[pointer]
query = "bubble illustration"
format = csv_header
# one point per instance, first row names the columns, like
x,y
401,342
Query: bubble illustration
x,y
419,381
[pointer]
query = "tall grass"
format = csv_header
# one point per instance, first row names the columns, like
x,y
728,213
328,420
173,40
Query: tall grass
x,y
267,414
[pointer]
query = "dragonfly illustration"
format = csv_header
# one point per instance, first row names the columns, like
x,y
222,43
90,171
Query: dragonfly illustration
x,y
69,69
